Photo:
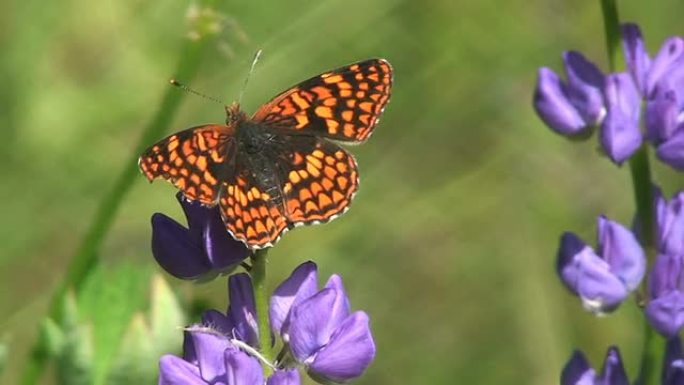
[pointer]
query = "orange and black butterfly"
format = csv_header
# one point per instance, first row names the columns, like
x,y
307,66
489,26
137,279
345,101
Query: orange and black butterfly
x,y
282,167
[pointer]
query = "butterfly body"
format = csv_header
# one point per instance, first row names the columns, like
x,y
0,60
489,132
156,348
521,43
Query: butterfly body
x,y
282,167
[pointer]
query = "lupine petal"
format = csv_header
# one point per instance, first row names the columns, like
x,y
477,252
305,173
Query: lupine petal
x,y
553,106
670,219
313,321
636,57
176,371
664,61
673,363
216,320
242,369
300,285
672,151
222,250
209,349
350,350
585,82
664,274
620,133
189,348
613,372
242,310
343,306
666,313
588,276
577,371
661,116
285,377
619,247
174,250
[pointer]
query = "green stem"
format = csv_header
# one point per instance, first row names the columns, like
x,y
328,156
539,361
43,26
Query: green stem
x,y
653,345
86,256
258,274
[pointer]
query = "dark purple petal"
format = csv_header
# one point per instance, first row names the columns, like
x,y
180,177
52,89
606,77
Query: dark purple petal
x,y
176,371
613,372
672,151
585,82
620,134
196,215
589,276
209,349
313,321
223,251
553,106
217,321
666,313
242,369
673,363
285,377
670,220
636,57
189,348
577,371
619,247
350,350
175,249
242,310
661,117
665,61
300,285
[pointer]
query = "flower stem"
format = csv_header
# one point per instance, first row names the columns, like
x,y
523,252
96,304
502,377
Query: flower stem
x,y
258,274
87,253
653,345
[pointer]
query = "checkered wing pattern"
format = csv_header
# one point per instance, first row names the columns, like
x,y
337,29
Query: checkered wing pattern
x,y
343,104
194,160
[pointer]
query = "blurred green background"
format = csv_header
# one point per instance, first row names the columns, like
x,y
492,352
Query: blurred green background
x,y
450,243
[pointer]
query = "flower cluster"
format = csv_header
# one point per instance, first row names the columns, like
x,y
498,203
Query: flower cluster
x,y
318,330
612,102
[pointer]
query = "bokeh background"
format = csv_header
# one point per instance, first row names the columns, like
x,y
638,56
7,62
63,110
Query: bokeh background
x,y
450,243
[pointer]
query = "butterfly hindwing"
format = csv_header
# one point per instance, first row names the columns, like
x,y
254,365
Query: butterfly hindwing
x,y
194,160
343,104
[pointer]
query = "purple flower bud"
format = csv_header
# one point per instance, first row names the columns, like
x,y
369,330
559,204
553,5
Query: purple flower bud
x,y
585,82
670,221
620,133
578,371
673,363
661,116
665,310
203,249
636,57
242,309
603,280
552,103
672,151
301,285
666,60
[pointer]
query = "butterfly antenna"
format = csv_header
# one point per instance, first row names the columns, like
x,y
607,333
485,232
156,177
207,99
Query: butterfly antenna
x,y
257,55
185,88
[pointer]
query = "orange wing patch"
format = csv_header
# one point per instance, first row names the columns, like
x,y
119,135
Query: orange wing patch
x,y
344,104
193,160
251,215
320,185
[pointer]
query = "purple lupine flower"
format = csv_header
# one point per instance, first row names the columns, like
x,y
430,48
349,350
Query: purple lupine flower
x,y
571,108
211,357
673,363
604,278
578,371
203,250
665,309
661,83
670,223
334,344
620,133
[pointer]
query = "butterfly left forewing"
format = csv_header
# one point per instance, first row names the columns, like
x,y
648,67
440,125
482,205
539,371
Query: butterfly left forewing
x,y
194,160
344,104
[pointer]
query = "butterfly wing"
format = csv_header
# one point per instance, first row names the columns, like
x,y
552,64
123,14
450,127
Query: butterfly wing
x,y
194,160
319,179
343,104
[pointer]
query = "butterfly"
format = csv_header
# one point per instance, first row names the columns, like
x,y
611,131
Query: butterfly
x,y
282,167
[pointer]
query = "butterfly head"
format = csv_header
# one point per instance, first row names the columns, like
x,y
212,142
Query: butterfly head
x,y
234,115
